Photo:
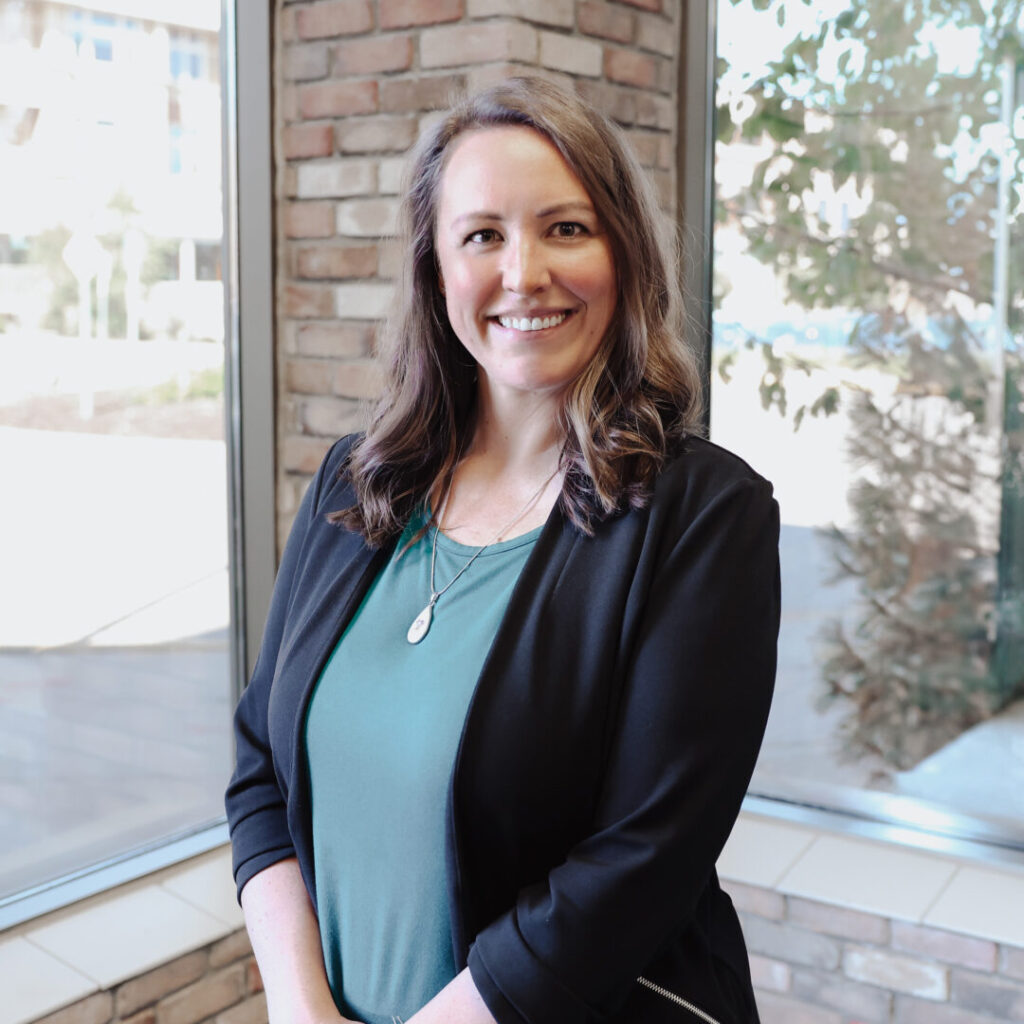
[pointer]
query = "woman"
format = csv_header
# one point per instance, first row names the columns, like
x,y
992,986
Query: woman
x,y
521,648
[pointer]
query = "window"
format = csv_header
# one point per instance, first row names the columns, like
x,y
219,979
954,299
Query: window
x,y
126,591
868,323
191,55
95,29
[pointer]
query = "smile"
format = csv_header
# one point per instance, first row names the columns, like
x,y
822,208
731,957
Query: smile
x,y
536,323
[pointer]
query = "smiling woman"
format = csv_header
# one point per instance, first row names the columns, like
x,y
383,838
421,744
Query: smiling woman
x,y
641,387
511,809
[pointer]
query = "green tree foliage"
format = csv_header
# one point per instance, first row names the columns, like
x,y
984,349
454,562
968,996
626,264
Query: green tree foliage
x,y
901,100
45,250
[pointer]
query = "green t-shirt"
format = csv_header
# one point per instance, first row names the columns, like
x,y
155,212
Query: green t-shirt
x,y
381,735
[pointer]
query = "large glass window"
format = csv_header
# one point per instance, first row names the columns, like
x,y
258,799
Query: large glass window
x,y
867,338
116,678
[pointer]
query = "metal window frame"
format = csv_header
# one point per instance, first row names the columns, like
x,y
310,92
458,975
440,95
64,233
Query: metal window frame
x,y
904,821
695,176
249,234
249,408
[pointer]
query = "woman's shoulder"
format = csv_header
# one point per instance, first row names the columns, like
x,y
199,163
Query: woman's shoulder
x,y
336,455
704,487
697,463
330,480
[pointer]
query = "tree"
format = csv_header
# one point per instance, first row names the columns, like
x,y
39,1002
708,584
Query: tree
x,y
896,107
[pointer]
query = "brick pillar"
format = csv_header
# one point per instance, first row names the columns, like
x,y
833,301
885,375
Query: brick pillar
x,y
356,81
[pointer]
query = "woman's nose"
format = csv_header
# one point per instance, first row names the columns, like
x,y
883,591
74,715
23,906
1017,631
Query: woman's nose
x,y
525,268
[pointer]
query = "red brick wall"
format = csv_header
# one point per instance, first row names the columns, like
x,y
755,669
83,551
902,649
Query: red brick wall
x,y
356,81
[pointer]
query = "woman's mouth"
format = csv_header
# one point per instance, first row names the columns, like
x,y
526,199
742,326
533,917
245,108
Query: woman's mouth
x,y
535,323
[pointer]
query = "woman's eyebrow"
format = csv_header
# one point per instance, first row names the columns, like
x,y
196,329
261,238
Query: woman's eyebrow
x,y
570,206
475,215
574,205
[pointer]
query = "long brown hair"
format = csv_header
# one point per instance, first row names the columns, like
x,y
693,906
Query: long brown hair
x,y
639,394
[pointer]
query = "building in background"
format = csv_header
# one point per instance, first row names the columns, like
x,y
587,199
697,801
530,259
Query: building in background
x,y
110,145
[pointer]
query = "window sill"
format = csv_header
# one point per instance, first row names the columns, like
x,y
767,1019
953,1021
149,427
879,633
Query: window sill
x,y
69,954
954,893
56,959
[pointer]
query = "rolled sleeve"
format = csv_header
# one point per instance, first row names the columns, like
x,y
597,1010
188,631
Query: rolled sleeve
x,y
255,801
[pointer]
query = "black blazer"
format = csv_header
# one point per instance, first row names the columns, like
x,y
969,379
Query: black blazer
x,y
604,757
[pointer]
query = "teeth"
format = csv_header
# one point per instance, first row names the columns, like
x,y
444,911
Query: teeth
x,y
536,323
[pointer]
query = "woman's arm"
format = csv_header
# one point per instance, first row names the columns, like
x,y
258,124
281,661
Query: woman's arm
x,y
286,940
278,913
255,804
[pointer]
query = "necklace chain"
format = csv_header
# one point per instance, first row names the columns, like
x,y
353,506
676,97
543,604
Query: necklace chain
x,y
421,624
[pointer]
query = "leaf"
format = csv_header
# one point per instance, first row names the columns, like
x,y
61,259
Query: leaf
x,y
846,164
725,365
844,22
781,128
827,403
724,124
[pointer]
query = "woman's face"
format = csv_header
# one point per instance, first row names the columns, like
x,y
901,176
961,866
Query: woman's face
x,y
525,264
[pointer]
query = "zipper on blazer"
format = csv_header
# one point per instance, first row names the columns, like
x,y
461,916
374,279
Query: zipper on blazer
x,y
678,1000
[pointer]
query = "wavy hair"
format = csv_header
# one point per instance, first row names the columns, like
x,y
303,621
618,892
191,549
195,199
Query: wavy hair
x,y
620,416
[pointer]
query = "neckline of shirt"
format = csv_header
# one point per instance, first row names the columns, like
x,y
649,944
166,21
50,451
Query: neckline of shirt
x,y
446,543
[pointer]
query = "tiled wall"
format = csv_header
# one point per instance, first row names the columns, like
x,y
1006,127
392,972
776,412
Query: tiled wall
x,y
356,82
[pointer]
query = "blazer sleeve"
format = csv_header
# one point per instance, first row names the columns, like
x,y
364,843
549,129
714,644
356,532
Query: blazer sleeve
x,y
692,715
255,801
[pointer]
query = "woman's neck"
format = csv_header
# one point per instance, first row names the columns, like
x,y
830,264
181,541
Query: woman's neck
x,y
517,434
511,466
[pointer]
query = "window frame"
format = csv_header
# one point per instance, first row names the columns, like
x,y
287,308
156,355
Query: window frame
x,y
249,408
695,177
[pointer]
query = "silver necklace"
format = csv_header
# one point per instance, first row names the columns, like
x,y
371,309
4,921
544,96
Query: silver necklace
x,y
421,624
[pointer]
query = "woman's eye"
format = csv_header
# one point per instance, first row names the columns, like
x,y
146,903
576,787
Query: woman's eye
x,y
483,236
569,229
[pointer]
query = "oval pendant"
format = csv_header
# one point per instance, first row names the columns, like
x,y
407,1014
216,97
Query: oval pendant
x,y
420,625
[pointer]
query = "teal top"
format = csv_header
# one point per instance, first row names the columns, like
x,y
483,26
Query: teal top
x,y
382,730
